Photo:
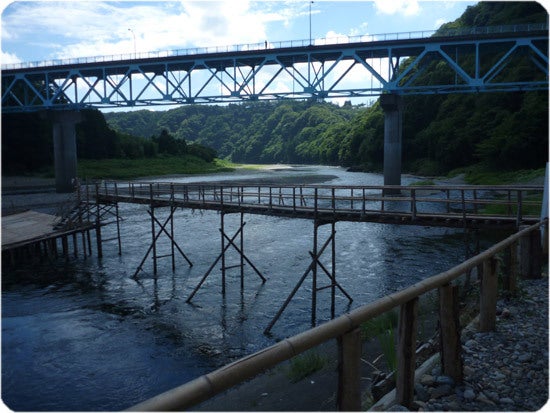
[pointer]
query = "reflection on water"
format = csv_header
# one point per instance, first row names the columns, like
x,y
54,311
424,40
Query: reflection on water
x,y
85,335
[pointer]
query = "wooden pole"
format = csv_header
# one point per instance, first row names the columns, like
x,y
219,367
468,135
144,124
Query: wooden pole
x,y
314,277
242,252
349,371
172,242
222,231
510,268
333,272
536,254
65,247
75,245
451,348
406,353
530,256
488,298
89,242
98,223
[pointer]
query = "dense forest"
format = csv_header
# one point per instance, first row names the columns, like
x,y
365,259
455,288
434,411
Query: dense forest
x,y
440,132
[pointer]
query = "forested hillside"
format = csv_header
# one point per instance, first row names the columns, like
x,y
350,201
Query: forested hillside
x,y
502,131
259,132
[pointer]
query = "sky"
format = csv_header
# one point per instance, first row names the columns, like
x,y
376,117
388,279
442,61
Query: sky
x,y
46,30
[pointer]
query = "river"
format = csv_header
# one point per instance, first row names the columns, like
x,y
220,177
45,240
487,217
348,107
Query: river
x,y
85,335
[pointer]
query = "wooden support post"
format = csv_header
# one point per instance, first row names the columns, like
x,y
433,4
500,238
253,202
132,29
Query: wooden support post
x,y
98,224
65,246
530,254
84,250
89,242
510,268
314,276
172,242
154,237
117,230
242,252
488,298
54,246
333,272
349,371
536,254
75,245
450,346
406,353
223,249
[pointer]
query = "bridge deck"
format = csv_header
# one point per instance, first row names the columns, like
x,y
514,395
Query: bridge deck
x,y
458,207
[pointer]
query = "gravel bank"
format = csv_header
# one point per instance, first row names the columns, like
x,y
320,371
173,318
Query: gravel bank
x,y
504,370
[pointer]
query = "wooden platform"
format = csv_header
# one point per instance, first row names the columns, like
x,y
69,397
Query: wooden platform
x,y
27,227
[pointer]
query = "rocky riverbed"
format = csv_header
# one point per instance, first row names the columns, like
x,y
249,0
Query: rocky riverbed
x,y
504,370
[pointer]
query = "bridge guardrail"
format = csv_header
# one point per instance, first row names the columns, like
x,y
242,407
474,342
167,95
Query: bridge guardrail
x,y
421,34
524,244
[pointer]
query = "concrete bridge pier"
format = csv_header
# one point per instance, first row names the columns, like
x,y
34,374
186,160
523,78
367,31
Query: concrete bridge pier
x,y
392,105
64,147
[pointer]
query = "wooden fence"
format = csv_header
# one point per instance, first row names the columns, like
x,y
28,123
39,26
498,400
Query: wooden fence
x,y
523,252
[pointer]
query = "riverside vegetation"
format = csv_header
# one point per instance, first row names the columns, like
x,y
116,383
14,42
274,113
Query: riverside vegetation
x,y
481,135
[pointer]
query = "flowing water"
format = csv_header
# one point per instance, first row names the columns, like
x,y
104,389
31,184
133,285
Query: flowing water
x,y
85,335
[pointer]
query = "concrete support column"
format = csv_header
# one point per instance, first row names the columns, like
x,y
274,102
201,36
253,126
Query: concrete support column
x,y
393,114
64,148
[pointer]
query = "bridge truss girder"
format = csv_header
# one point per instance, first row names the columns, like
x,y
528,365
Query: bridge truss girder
x,y
435,65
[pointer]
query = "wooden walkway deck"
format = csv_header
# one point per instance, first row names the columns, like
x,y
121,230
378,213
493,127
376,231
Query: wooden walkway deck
x,y
32,235
26,227
453,206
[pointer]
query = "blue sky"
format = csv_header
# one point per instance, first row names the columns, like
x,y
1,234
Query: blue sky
x,y
44,30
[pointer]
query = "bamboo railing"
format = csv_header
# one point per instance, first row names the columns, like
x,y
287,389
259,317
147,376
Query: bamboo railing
x,y
522,248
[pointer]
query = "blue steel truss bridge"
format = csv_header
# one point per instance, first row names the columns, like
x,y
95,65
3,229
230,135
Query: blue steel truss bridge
x,y
472,60
487,59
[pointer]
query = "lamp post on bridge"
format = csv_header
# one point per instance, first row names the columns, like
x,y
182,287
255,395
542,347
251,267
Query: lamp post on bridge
x,y
310,40
135,50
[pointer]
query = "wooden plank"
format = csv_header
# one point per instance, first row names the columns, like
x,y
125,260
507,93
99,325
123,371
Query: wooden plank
x,y
26,227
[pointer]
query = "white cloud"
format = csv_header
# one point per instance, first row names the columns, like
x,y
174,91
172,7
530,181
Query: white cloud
x,y
91,28
405,7
9,58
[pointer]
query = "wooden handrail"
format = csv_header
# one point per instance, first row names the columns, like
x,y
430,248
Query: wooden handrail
x,y
467,201
208,385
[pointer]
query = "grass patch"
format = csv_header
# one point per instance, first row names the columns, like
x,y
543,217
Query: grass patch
x,y
531,205
480,174
426,182
383,328
305,365
137,168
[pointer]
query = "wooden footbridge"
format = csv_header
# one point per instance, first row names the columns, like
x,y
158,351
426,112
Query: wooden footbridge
x,y
474,207
466,207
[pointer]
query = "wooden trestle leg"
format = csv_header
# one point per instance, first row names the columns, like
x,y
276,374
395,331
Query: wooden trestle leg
x,y
225,246
312,268
156,235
